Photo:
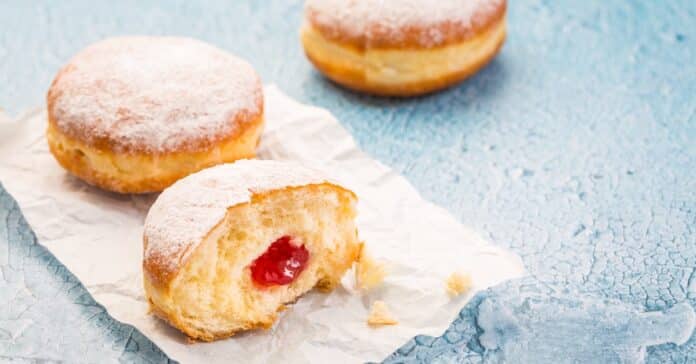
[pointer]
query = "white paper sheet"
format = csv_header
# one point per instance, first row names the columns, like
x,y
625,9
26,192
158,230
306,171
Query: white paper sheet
x,y
97,235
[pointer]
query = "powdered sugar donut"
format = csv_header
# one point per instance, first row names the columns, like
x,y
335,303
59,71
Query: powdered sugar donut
x,y
227,247
135,114
402,47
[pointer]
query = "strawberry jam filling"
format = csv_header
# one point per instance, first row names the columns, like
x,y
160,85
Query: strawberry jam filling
x,y
280,264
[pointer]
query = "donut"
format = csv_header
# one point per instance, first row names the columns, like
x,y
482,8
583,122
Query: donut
x,y
402,47
226,248
135,114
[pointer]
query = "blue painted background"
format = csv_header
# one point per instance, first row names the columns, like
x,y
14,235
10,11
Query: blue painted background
x,y
575,148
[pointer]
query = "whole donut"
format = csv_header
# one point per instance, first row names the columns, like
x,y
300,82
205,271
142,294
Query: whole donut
x,y
135,114
402,47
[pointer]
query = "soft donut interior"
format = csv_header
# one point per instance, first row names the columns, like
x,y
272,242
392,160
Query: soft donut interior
x,y
214,294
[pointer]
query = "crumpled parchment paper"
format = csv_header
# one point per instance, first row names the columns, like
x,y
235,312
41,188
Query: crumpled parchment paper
x,y
98,236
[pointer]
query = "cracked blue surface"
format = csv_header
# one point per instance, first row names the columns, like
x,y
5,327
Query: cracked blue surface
x,y
548,329
575,148
527,321
47,315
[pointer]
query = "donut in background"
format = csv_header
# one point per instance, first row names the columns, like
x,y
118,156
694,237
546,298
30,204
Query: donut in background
x,y
402,47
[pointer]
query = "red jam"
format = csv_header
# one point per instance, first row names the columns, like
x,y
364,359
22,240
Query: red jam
x,y
280,264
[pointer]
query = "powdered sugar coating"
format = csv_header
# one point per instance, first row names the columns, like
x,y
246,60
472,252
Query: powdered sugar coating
x,y
154,95
394,22
184,214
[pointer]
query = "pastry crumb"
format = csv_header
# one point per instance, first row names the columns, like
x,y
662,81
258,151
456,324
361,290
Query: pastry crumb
x,y
458,283
380,315
369,273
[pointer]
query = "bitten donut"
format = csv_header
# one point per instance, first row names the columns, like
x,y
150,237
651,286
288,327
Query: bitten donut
x,y
135,114
227,247
402,47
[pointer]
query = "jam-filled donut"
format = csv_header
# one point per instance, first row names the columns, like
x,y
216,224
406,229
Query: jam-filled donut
x,y
135,114
402,47
227,247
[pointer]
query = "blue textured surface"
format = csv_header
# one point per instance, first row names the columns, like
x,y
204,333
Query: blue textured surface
x,y
527,321
576,148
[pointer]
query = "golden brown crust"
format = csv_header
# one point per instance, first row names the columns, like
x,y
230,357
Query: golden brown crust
x,y
195,335
161,275
73,155
354,78
410,36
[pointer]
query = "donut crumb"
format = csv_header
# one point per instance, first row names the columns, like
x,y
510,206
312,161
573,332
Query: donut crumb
x,y
458,283
369,273
380,315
